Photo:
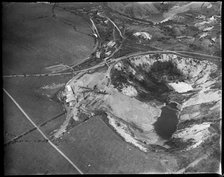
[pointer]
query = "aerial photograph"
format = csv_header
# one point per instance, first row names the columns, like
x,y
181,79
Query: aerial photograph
x,y
112,87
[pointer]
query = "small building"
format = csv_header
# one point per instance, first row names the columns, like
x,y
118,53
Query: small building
x,y
108,53
111,44
98,54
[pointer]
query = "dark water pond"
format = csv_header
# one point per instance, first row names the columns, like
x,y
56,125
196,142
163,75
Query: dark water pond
x,y
166,124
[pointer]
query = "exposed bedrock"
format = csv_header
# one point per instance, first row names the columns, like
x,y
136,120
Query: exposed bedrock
x,y
154,99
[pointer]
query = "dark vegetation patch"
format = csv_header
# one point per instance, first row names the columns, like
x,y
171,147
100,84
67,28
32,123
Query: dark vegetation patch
x,y
156,148
177,97
106,32
82,116
168,69
135,127
201,120
100,113
216,85
150,83
191,122
153,86
216,127
177,144
118,79
149,88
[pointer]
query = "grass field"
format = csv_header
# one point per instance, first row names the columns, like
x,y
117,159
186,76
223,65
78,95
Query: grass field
x,y
14,122
34,100
33,39
95,148
32,155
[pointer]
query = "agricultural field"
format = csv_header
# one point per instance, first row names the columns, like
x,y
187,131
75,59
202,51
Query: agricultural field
x,y
97,149
31,154
39,40
34,40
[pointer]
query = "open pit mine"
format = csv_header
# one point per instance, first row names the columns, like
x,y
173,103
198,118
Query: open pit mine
x,y
153,100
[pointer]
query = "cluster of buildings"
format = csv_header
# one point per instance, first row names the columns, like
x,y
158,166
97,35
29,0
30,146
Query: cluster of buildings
x,y
106,50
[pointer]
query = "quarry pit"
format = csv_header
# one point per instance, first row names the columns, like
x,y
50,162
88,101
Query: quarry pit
x,y
150,100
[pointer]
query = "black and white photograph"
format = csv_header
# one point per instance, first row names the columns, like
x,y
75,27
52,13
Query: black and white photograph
x,y
112,87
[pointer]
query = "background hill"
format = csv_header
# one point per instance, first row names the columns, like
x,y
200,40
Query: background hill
x,y
156,11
